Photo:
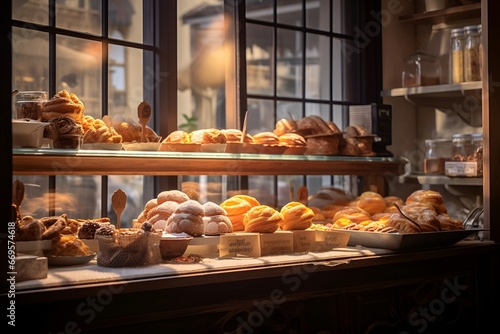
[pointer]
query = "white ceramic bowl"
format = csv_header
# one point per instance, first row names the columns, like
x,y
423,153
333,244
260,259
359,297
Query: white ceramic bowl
x,y
27,133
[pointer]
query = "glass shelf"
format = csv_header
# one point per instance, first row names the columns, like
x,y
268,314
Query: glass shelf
x,y
104,162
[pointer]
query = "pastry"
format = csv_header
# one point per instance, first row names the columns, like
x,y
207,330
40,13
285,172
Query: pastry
x,y
172,195
96,131
250,199
31,231
263,219
207,136
55,229
355,131
88,229
266,138
234,136
63,104
216,220
296,216
313,125
431,197
285,126
69,245
235,206
187,218
371,202
448,223
158,216
178,137
355,215
292,140
64,131
402,224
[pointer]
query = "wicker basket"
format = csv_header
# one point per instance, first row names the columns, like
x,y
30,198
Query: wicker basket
x,y
129,250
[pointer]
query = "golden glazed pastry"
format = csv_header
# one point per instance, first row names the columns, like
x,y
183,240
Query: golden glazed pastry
x,y
96,131
250,199
292,140
69,245
285,126
352,214
371,202
263,219
178,136
216,220
431,197
296,216
207,136
266,138
236,206
63,104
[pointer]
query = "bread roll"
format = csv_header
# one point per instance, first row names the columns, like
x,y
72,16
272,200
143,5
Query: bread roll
x,y
263,219
371,202
178,137
296,216
431,197
207,136
285,126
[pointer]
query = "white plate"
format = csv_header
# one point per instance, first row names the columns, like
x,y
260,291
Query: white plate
x,y
102,146
141,146
69,260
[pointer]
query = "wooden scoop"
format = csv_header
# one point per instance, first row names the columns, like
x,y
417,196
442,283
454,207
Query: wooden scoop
x,y
144,114
244,129
118,202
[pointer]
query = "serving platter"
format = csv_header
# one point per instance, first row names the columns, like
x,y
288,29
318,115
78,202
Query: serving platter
x,y
69,260
403,241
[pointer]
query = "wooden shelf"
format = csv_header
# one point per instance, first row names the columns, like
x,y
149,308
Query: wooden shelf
x,y
441,180
83,162
445,15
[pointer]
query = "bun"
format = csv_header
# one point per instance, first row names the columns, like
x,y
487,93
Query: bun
x,y
236,207
172,195
179,136
216,220
371,202
284,126
187,218
263,219
292,140
158,216
431,197
296,216
207,136
313,125
266,138
234,136
63,104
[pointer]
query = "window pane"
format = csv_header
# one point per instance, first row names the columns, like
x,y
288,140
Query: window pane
x,y
202,62
262,10
80,15
34,11
345,16
290,12
126,88
289,65
318,67
78,70
30,60
259,60
260,116
322,110
126,20
318,14
345,70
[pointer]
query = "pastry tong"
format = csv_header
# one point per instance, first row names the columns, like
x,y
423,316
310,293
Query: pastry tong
x,y
471,221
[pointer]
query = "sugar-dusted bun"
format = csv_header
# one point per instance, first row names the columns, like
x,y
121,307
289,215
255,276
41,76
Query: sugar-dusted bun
x,y
292,140
263,219
266,138
285,126
191,224
207,136
192,207
234,136
178,137
428,196
172,195
159,215
296,216
151,204
371,202
354,215
213,209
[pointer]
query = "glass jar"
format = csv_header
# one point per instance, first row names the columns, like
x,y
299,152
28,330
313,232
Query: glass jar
x,y
29,104
462,163
421,69
457,55
477,154
437,151
472,53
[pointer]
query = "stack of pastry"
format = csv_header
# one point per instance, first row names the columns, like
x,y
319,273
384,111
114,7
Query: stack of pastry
x,y
216,220
64,131
96,131
187,218
236,207
157,210
63,104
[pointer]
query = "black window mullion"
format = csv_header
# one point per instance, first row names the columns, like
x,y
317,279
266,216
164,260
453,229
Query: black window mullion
x,y
104,93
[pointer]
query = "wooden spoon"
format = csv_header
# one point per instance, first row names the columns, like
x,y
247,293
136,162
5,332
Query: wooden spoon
x,y
118,202
144,114
244,130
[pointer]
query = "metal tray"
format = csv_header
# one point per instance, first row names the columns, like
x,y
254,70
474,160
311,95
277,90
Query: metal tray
x,y
400,241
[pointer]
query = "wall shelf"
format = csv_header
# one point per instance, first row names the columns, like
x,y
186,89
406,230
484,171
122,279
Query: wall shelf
x,y
445,15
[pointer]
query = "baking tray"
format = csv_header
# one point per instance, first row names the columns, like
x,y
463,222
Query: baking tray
x,y
401,241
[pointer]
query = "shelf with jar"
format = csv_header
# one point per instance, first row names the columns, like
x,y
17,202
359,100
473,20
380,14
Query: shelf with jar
x,y
445,15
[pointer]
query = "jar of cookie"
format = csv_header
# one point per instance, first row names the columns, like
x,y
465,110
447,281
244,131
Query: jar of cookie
x,y
29,104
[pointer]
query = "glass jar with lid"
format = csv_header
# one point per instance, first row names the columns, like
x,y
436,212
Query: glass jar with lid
x,y
462,162
437,151
421,69
457,55
472,53
477,154
29,104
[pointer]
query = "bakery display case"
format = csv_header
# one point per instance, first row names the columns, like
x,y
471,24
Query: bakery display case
x,y
369,285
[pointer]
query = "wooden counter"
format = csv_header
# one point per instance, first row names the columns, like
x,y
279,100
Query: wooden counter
x,y
452,289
